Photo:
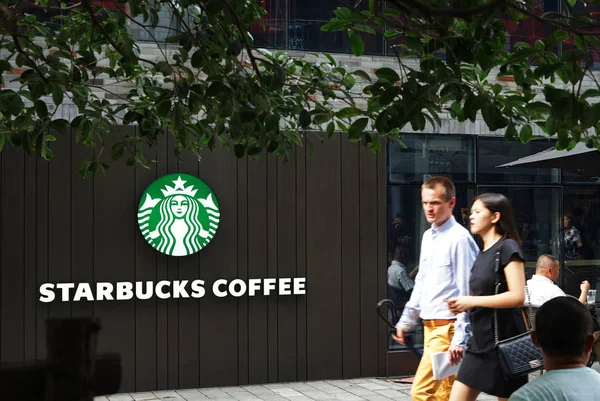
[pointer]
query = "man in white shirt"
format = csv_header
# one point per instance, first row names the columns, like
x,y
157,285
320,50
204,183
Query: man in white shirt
x,y
447,255
564,333
398,278
541,286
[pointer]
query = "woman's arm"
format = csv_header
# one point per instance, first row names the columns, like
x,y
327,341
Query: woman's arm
x,y
514,297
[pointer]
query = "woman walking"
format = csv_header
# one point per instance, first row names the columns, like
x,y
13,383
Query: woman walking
x,y
492,219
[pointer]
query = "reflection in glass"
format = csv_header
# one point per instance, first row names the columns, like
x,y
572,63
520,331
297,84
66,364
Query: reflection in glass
x,y
423,156
406,225
581,238
308,16
269,31
496,151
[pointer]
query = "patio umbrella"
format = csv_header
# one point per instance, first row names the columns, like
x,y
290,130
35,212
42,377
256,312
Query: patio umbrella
x,y
580,157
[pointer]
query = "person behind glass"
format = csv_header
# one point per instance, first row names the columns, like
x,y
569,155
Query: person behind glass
x,y
447,254
491,218
572,238
400,281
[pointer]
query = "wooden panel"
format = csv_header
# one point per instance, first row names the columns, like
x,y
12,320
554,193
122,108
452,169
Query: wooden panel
x,y
323,261
30,268
42,253
242,265
13,263
162,268
368,263
145,310
218,318
350,231
82,218
189,329
173,304
272,252
301,261
257,268
115,215
382,263
286,266
59,223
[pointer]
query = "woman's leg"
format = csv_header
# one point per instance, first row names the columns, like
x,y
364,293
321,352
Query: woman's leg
x,y
462,392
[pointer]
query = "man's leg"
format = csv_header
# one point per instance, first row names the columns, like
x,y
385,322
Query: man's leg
x,y
424,388
445,388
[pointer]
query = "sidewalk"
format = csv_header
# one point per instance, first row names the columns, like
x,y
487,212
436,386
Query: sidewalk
x,y
363,389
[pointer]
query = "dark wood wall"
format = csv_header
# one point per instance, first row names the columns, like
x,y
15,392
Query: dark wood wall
x,y
319,216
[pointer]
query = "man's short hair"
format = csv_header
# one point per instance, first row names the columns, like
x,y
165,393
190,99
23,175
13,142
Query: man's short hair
x,y
448,185
562,326
544,262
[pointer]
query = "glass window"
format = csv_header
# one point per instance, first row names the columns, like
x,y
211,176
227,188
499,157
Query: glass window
x,y
529,30
406,225
588,176
496,151
308,16
581,241
167,26
269,31
422,156
537,216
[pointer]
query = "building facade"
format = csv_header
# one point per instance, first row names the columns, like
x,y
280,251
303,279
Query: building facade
x,y
326,216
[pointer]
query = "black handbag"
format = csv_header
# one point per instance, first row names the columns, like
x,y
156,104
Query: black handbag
x,y
518,355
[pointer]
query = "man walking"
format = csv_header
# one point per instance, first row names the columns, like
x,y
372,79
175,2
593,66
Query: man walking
x,y
447,255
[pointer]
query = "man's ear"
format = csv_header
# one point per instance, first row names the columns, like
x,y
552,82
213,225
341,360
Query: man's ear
x,y
535,339
452,201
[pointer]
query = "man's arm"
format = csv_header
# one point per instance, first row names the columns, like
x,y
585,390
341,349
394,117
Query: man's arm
x,y
464,253
412,309
585,288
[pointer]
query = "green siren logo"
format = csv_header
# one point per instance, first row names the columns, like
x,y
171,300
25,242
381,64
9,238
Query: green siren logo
x,y
178,214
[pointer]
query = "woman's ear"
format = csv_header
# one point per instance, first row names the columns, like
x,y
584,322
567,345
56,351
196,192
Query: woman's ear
x,y
496,217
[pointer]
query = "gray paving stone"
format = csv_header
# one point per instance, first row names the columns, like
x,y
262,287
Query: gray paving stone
x,y
394,394
286,392
147,396
374,386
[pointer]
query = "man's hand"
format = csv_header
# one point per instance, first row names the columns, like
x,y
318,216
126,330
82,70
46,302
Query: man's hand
x,y
399,336
456,354
584,286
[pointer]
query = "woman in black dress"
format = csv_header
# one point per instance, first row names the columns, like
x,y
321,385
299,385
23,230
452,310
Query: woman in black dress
x,y
492,218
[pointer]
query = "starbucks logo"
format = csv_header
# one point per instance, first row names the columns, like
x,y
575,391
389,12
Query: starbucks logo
x,y
178,214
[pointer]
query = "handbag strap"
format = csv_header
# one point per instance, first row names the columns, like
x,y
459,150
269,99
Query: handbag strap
x,y
497,285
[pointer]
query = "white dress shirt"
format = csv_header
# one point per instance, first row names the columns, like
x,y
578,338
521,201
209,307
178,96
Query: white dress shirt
x,y
542,289
447,256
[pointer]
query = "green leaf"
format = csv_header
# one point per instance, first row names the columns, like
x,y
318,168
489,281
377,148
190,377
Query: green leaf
x,y
335,25
330,129
41,109
526,133
590,93
493,117
511,132
387,73
362,74
365,28
57,94
304,118
356,128
390,34
2,140
321,118
343,13
197,58
239,149
349,112
357,44
388,95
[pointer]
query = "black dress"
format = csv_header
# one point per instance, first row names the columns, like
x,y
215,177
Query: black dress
x,y
480,368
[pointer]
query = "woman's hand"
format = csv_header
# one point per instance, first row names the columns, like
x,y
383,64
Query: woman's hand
x,y
460,304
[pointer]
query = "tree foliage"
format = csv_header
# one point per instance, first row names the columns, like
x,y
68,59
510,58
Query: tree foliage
x,y
212,86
